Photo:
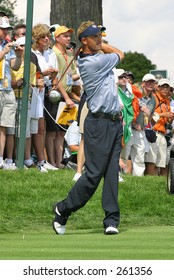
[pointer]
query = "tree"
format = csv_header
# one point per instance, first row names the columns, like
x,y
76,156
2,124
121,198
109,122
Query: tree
x,y
73,12
137,63
8,7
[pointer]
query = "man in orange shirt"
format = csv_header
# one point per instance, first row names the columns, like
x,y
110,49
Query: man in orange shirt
x,y
163,119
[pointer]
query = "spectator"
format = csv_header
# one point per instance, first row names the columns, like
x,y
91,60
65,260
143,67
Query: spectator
x,y
102,131
9,58
72,142
130,77
17,83
138,144
163,120
148,89
125,93
126,96
71,47
49,67
62,40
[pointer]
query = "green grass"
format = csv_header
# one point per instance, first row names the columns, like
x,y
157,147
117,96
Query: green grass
x,y
146,226
151,243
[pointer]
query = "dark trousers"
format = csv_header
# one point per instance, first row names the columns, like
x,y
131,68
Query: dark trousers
x,y
102,144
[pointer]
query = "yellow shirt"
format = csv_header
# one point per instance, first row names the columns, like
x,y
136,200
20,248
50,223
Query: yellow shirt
x,y
16,75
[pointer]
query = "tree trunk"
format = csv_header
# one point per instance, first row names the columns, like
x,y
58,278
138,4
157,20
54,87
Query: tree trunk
x,y
73,12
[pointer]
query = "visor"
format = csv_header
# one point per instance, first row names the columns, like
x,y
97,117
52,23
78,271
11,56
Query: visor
x,y
91,31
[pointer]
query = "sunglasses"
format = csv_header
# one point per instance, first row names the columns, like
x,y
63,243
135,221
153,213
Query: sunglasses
x,y
70,47
123,77
44,36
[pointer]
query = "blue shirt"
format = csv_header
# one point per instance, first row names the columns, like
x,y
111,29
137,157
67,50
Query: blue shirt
x,y
7,75
99,82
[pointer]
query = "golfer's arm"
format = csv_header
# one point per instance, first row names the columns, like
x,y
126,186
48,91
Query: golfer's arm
x,y
109,49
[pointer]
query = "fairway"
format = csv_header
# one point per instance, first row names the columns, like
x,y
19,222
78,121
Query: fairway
x,y
136,243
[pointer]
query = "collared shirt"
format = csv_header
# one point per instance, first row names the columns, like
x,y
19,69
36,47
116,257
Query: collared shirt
x,y
46,60
7,75
162,106
64,60
99,82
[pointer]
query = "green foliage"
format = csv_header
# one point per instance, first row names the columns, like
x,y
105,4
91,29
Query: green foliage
x,y
137,63
27,197
8,7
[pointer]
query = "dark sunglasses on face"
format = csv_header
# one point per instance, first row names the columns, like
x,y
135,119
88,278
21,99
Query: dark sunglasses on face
x,y
123,77
70,48
44,36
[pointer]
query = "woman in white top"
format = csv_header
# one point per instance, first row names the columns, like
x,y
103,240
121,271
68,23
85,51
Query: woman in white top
x,y
49,67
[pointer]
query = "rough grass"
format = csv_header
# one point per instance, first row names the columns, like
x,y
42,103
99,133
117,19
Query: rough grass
x,y
27,197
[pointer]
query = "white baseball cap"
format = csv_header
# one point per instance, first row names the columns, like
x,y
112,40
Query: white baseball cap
x,y
148,77
4,23
164,82
120,72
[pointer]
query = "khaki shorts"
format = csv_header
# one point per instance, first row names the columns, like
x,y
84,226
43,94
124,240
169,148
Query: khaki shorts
x,y
162,150
31,125
83,115
151,155
7,108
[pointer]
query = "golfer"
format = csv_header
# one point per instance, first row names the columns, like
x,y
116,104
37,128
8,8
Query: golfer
x,y
102,131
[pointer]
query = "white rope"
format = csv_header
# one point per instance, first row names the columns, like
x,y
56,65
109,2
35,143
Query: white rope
x,y
36,94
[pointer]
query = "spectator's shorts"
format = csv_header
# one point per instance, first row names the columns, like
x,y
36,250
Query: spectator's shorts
x,y
151,155
7,108
31,125
162,150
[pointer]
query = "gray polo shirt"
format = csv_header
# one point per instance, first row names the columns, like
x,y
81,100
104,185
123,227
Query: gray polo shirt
x,y
99,82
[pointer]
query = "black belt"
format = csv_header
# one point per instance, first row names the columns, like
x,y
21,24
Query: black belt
x,y
113,117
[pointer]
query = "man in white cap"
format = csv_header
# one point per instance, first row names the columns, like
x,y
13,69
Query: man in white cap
x,y
9,58
138,144
148,85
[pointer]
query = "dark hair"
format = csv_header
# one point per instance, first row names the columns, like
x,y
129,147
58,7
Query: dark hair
x,y
16,28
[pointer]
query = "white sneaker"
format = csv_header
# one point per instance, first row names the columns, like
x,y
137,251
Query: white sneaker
x,y
10,166
111,230
59,223
41,168
48,166
76,177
